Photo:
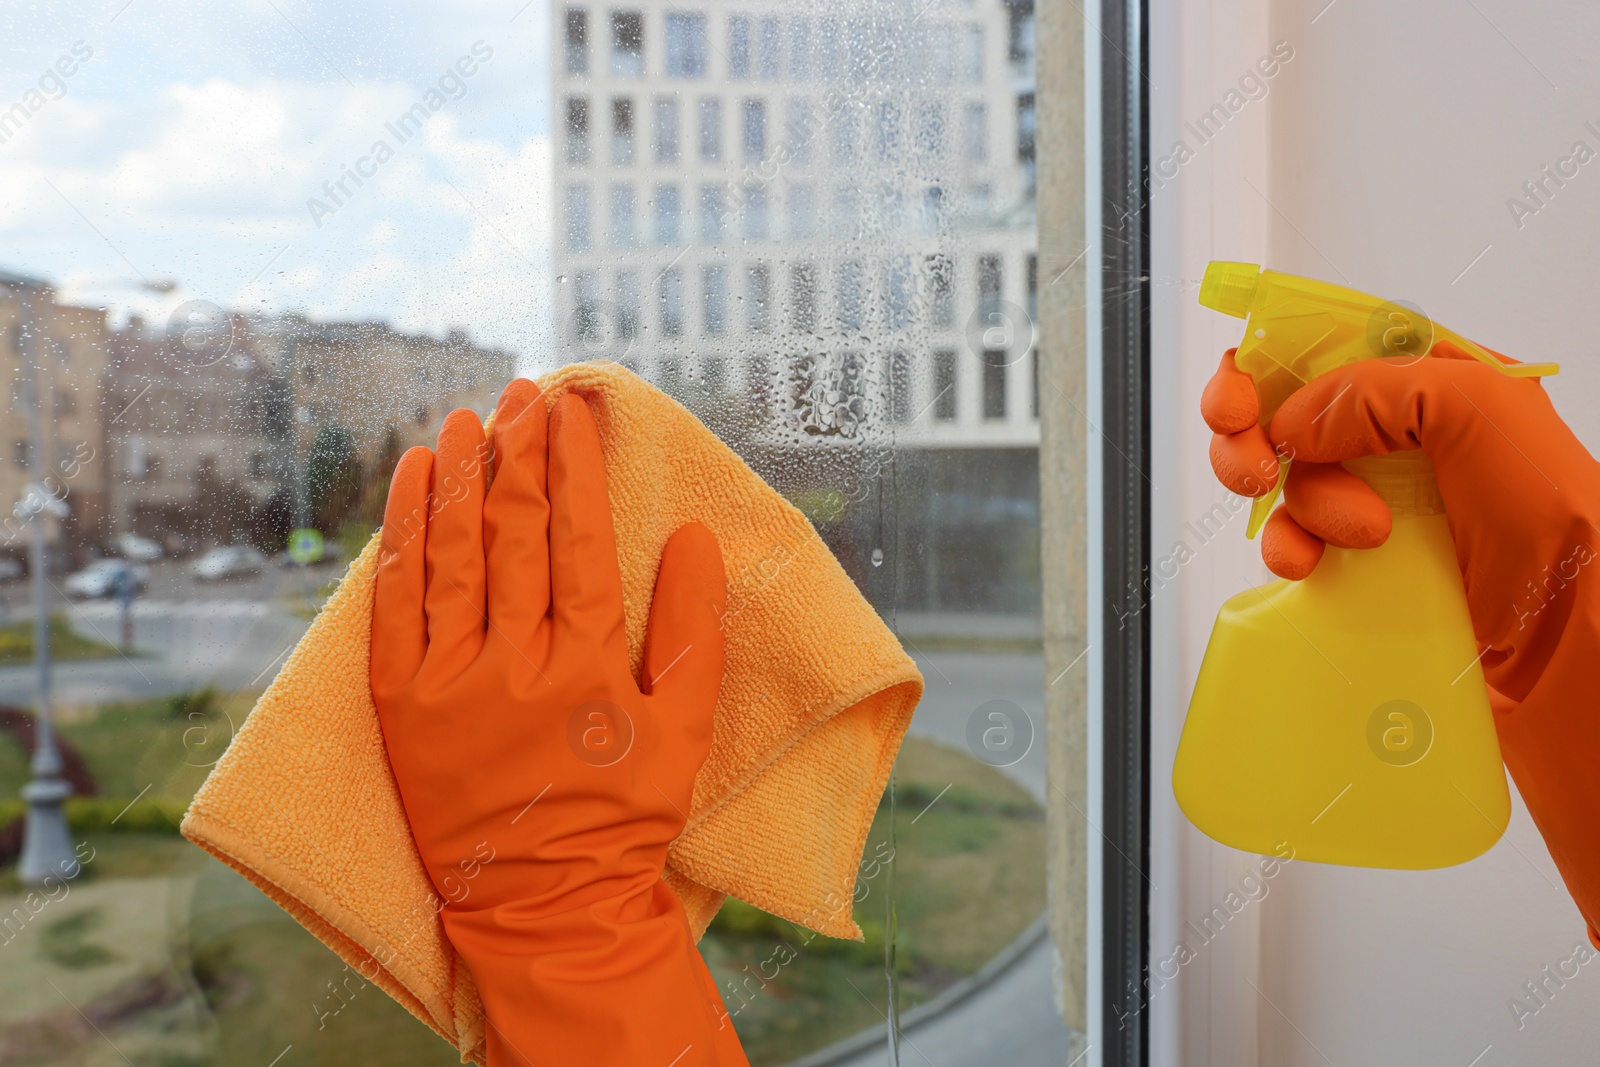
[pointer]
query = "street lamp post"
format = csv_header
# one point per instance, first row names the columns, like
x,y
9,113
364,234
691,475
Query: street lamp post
x,y
46,845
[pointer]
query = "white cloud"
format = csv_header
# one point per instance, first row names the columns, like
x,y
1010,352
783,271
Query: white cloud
x,y
204,175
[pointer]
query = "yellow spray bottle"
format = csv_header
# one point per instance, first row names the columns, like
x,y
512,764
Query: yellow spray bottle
x,y
1345,714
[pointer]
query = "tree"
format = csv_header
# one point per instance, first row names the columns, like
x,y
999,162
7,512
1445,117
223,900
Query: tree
x,y
333,478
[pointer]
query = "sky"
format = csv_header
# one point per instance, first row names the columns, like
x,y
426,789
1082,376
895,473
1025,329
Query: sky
x,y
203,144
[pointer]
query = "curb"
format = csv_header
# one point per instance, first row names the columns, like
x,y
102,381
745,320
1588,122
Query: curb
x,y
999,965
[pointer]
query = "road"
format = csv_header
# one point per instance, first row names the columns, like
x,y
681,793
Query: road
x,y
186,634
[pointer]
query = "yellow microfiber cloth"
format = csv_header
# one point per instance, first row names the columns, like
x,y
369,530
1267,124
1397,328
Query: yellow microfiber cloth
x,y
816,697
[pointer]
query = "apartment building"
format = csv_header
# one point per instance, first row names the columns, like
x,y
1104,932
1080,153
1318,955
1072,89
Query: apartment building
x,y
829,216
68,344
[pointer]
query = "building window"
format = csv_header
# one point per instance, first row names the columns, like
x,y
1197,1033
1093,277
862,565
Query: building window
x,y
577,41
712,212
974,133
1033,366
769,50
1020,36
994,384
586,325
578,217
666,129
257,467
932,208
622,130
900,384
686,45
803,297
1033,287
668,211
801,130
846,210
891,140
852,295
799,50
842,126
714,373
754,128
972,54
899,286
714,279
944,384
941,291
802,210
755,213
829,48
627,44
1026,127
627,304
710,130
758,297
624,217
20,455
672,302
989,287
930,132
738,47
577,129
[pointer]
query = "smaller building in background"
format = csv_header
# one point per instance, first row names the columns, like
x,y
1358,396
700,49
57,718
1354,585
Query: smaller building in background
x,y
220,427
70,346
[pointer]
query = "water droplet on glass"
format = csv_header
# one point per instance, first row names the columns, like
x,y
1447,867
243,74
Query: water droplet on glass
x,y
877,557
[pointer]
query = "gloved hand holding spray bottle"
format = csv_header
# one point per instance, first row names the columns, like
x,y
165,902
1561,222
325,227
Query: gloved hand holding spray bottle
x,y
1345,713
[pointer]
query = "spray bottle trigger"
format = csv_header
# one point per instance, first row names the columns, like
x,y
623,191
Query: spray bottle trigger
x,y
1261,507
1510,368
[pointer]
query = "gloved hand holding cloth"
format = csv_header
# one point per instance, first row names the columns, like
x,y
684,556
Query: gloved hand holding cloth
x,y
542,781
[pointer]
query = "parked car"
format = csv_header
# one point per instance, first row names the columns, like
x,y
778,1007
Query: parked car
x,y
231,561
102,578
139,549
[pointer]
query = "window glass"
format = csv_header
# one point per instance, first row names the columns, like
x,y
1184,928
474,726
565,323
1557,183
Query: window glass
x,y
754,129
622,130
710,130
576,25
667,214
577,130
738,47
686,45
666,129
769,54
627,44
262,250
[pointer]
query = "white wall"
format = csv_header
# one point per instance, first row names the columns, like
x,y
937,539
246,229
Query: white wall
x,y
1388,148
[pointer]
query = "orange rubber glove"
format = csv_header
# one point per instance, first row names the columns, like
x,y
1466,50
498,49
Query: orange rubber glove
x,y
1522,496
544,784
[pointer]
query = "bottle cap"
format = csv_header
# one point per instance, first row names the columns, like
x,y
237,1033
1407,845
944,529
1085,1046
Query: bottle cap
x,y
1229,287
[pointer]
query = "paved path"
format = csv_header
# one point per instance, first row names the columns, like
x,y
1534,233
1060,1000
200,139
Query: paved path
x,y
1013,1020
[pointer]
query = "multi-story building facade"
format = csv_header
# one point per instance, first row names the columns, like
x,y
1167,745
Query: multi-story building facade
x,y
828,215
68,345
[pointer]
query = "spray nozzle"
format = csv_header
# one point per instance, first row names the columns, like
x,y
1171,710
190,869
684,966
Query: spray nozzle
x,y
1229,287
1299,329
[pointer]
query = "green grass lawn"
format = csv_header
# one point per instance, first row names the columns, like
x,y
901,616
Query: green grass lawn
x,y
183,963
967,878
16,643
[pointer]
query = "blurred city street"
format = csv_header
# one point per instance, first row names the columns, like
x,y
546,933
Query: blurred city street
x,y
186,634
